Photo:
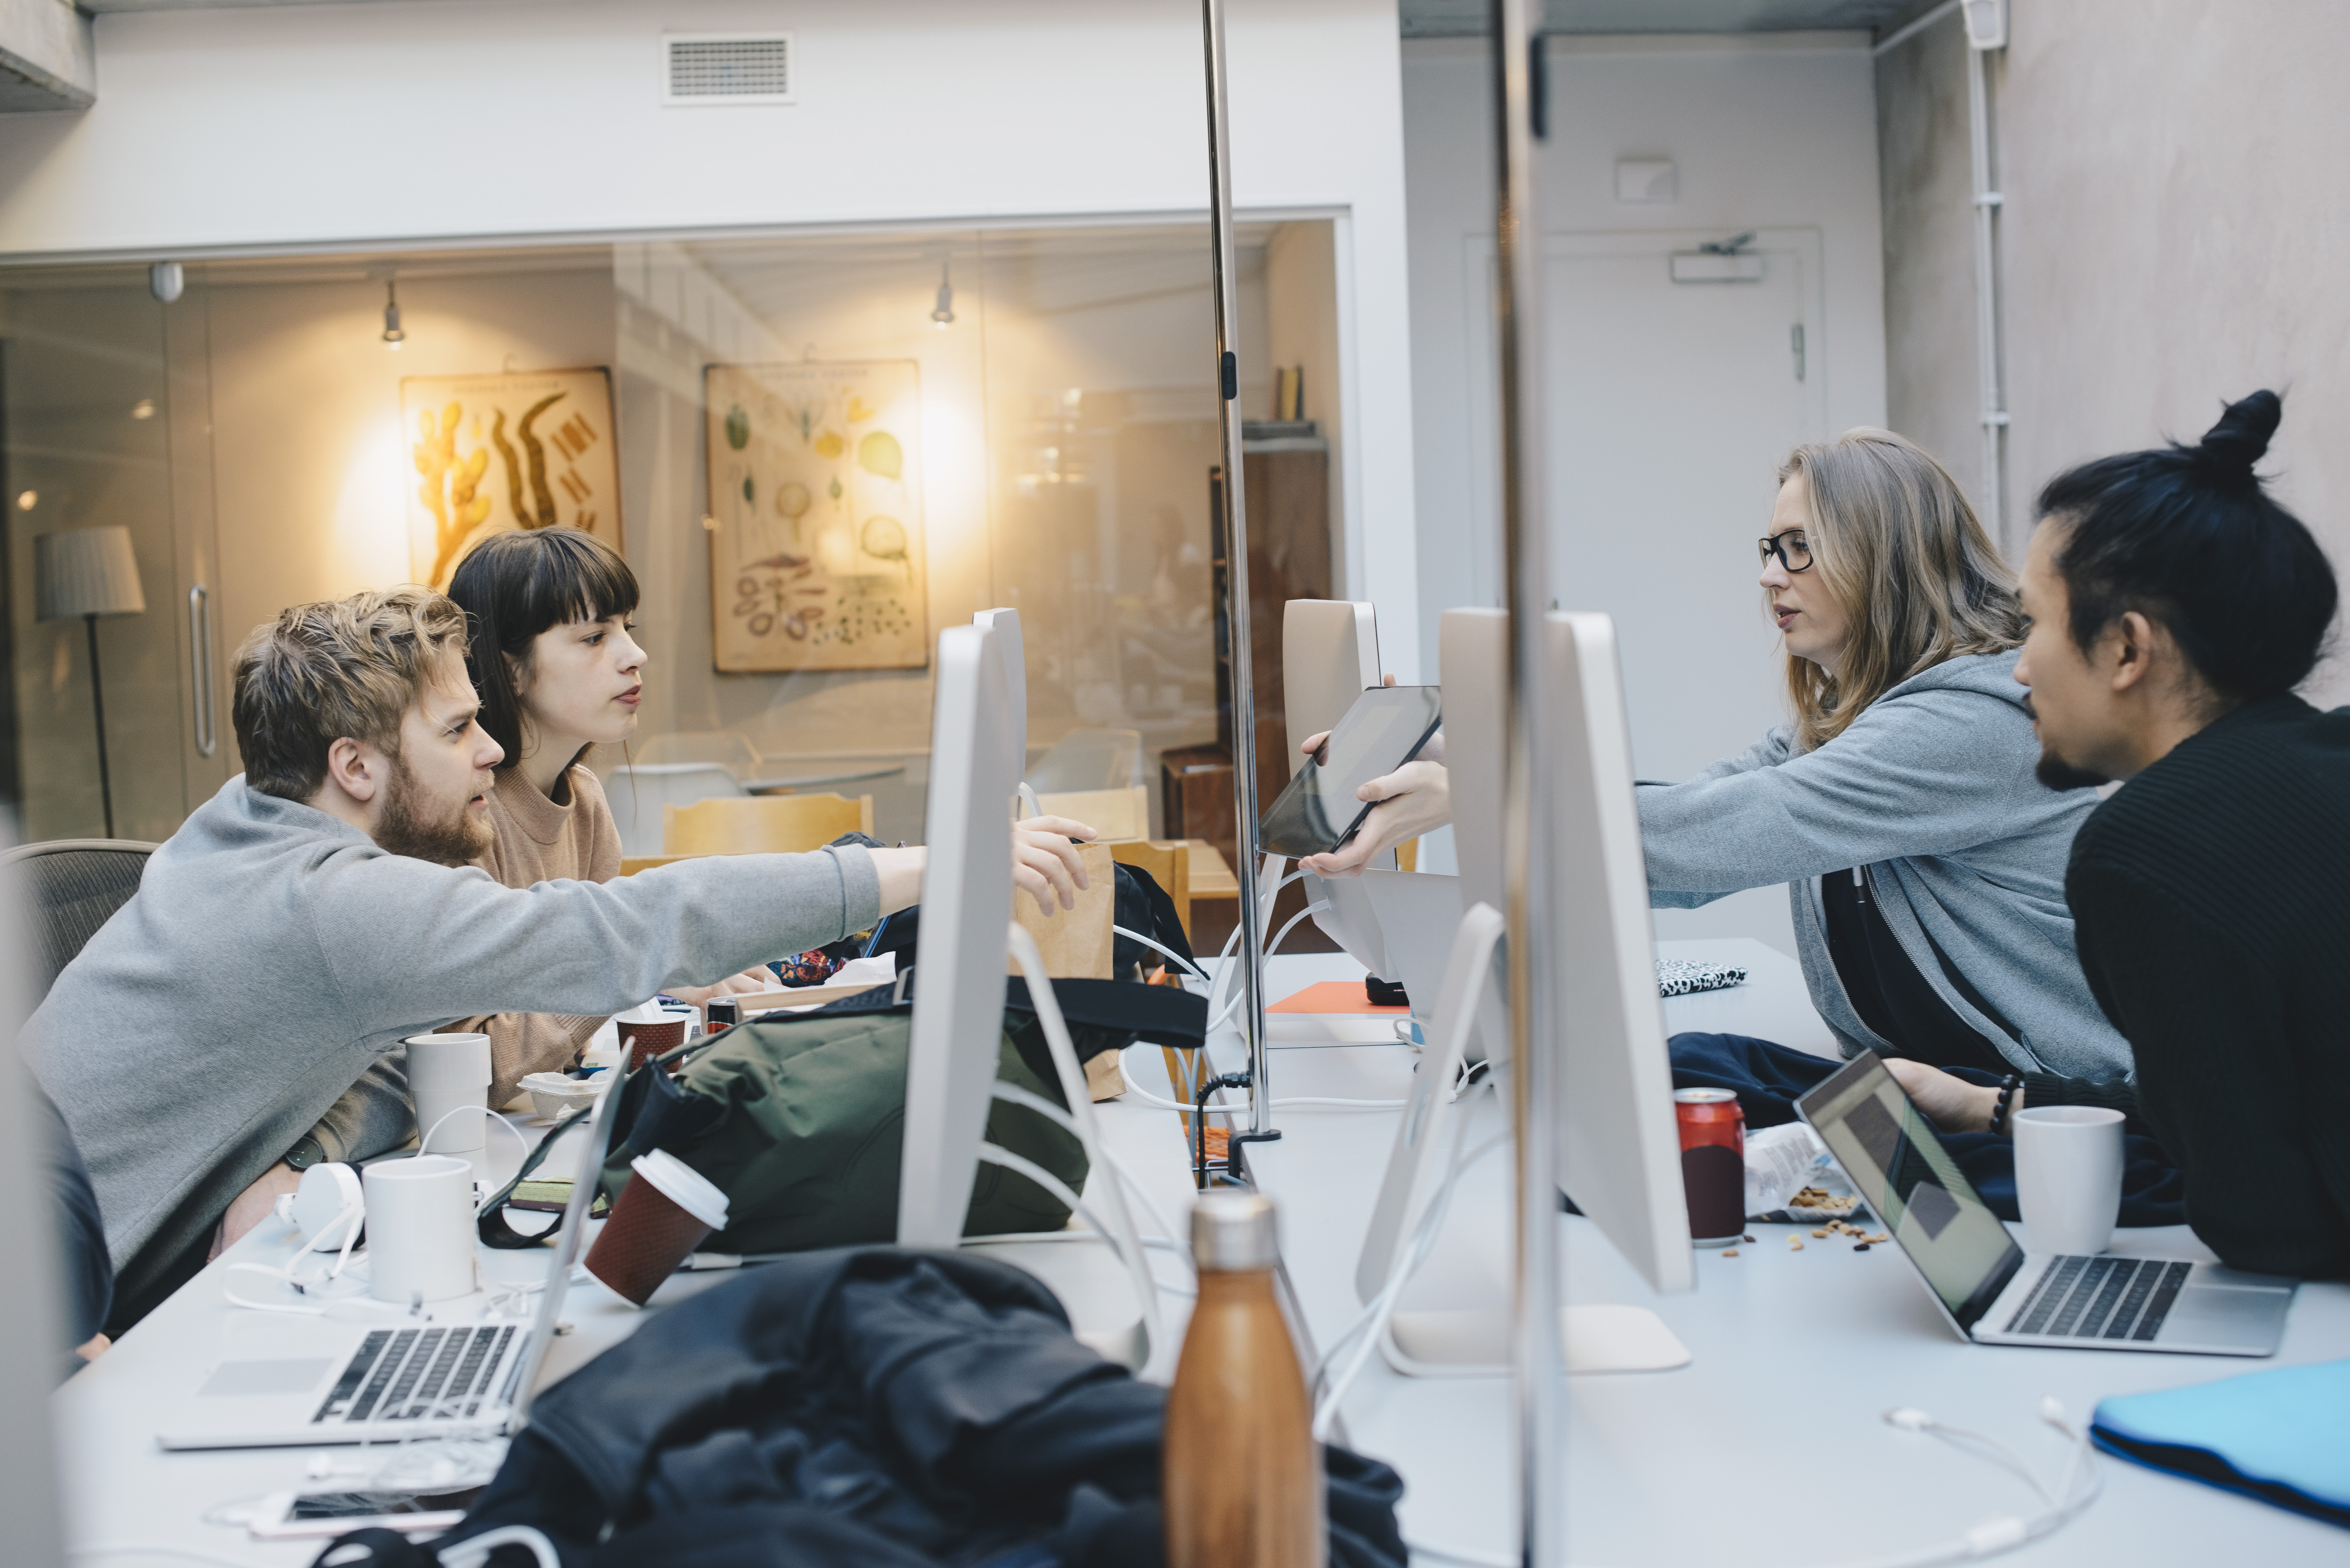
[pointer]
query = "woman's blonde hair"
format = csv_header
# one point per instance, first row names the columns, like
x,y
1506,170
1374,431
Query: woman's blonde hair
x,y
1896,544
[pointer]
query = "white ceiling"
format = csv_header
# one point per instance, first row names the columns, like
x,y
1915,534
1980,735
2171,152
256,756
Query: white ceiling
x,y
1470,19
1463,18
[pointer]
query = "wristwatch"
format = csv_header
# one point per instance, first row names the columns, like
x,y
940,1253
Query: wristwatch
x,y
306,1154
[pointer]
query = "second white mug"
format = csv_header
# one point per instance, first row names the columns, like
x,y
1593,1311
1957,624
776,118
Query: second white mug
x,y
2068,1178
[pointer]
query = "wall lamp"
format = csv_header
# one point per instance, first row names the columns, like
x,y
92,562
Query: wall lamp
x,y
392,336
943,312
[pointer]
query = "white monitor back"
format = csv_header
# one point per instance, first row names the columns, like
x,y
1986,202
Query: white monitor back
x,y
1620,1144
1329,654
959,956
1621,1151
32,1288
1006,624
1474,646
1330,657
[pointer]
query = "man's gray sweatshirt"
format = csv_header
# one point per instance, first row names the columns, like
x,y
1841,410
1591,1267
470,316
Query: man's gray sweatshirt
x,y
273,954
1931,788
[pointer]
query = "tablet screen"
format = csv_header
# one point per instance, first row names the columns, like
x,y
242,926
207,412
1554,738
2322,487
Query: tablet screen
x,y
1384,730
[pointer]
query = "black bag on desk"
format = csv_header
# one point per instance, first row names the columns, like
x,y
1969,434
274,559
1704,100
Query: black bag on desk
x,y
799,1118
874,1407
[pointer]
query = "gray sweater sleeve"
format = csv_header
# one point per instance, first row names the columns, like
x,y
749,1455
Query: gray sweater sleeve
x,y
407,940
1910,777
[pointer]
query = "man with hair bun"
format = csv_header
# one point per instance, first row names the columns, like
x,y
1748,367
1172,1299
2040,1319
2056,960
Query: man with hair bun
x,y
2174,608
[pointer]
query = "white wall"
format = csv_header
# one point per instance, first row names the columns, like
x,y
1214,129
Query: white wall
x,y
1775,132
401,123
2172,236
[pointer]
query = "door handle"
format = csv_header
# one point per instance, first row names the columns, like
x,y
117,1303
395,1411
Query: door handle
x,y
200,664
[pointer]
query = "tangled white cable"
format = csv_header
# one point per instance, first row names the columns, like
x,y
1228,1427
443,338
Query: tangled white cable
x,y
2075,1489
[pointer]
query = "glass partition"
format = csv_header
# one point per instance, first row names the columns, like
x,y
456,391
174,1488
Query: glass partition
x,y
815,450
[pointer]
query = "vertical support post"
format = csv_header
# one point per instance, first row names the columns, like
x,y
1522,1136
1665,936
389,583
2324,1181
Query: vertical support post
x,y
1236,583
1538,1385
1987,202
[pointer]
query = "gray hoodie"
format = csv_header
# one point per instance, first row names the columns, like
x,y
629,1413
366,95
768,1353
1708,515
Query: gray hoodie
x,y
273,954
1932,789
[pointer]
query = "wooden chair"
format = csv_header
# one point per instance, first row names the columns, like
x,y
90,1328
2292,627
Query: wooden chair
x,y
762,825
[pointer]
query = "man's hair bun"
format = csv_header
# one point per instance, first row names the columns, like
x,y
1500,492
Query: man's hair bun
x,y
2241,436
2189,537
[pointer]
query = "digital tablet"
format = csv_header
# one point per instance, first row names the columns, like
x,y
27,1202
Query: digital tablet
x,y
1384,730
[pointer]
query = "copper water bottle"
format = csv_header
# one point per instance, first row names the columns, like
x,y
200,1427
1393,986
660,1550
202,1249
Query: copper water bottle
x,y
1243,1485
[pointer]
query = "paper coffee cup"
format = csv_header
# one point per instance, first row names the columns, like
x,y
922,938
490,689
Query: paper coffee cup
x,y
419,1229
448,1072
661,1219
2068,1178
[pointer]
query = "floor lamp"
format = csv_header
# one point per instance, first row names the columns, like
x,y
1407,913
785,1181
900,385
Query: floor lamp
x,y
88,572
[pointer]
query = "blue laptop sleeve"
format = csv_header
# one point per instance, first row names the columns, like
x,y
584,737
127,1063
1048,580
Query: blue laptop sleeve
x,y
2282,1436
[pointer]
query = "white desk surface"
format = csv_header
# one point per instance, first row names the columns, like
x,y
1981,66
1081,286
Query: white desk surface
x,y
119,1487
1767,1451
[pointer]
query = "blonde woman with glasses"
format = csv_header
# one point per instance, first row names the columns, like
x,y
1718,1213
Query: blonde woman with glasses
x,y
1924,862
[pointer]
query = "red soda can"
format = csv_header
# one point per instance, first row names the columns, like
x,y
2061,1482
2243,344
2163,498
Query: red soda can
x,y
1713,1164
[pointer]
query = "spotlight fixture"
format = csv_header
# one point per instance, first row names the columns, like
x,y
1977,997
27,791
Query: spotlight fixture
x,y
943,313
392,336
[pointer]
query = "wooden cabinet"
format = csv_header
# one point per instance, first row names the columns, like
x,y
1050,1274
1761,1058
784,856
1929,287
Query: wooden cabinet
x,y
1286,468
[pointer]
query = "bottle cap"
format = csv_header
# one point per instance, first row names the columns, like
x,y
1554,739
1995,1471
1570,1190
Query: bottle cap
x,y
1233,1231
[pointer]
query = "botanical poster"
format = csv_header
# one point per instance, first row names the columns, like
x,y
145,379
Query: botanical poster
x,y
494,453
815,516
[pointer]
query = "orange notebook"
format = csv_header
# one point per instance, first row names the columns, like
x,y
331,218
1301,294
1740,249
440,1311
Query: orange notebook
x,y
1334,996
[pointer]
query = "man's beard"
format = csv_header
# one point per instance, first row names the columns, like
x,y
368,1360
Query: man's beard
x,y
2054,771
2058,773
453,840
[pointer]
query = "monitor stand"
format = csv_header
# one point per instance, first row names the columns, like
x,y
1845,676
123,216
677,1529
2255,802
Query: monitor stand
x,y
1475,1341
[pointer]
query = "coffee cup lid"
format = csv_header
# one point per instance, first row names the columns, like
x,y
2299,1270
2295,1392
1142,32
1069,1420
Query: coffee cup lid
x,y
684,1186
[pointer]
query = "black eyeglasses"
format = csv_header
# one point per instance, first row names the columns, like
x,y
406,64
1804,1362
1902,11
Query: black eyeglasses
x,y
1793,550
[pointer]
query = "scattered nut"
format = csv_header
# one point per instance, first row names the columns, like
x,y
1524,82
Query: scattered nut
x,y
1819,1235
1794,1244
1880,1236
1748,1240
1730,1253
1860,1246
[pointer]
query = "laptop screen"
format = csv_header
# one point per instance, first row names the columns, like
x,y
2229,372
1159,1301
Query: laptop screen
x,y
1899,1167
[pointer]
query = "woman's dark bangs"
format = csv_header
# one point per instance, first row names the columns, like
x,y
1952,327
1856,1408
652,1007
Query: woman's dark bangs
x,y
576,579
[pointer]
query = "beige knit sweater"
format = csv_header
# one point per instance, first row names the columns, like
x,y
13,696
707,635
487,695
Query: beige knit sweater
x,y
538,840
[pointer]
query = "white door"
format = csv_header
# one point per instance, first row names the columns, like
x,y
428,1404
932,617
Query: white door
x,y
1670,407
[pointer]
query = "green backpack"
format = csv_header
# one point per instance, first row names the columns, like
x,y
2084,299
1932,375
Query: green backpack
x,y
800,1118
801,1122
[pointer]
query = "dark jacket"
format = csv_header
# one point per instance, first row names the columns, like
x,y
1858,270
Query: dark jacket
x,y
870,1407
2213,896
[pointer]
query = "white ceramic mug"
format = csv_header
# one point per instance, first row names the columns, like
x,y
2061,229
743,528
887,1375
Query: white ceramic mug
x,y
448,1072
419,1229
2068,1178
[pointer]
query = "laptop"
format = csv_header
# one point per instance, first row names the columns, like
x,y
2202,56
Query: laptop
x,y
1994,1292
398,1380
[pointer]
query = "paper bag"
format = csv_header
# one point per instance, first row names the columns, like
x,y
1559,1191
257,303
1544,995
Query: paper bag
x,y
1076,942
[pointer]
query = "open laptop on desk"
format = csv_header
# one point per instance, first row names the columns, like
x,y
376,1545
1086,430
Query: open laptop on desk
x,y
1994,1292
397,1380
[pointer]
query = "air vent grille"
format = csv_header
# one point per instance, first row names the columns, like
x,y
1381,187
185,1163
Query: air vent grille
x,y
726,68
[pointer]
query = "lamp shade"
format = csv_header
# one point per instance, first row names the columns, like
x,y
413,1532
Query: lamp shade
x,y
86,571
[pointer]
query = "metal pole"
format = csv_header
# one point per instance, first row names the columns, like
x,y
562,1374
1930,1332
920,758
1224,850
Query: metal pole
x,y
1538,1386
1236,585
1987,204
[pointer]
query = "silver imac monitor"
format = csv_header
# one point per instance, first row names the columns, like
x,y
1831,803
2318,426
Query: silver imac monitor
x,y
1619,1145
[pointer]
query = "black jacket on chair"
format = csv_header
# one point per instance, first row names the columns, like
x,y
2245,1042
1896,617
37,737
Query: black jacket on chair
x,y
871,1407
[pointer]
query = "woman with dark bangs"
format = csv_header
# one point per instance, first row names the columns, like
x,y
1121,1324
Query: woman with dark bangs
x,y
551,655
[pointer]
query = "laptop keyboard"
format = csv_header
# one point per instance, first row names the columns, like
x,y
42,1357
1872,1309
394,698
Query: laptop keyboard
x,y
2101,1298
408,1374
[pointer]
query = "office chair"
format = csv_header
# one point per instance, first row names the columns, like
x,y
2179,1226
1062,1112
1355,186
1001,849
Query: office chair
x,y
70,888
